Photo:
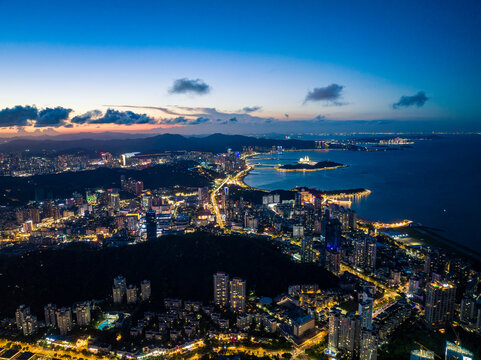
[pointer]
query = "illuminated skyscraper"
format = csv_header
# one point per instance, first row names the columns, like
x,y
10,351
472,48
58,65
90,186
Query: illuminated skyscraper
x,y
20,314
307,255
350,334
334,330
368,347
82,311
25,320
132,294
370,256
439,309
237,295
359,253
221,289
64,320
344,333
365,313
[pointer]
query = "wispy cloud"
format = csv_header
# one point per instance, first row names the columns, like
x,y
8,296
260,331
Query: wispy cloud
x,y
329,94
405,101
189,86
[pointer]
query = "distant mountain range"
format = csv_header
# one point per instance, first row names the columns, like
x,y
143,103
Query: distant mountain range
x,y
216,143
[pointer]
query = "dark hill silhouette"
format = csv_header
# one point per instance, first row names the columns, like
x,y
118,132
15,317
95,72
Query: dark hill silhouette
x,y
178,266
215,143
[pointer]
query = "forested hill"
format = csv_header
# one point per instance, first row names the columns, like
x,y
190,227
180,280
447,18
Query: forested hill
x,y
178,266
216,143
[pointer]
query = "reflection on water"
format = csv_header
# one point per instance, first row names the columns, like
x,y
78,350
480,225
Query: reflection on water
x,y
435,183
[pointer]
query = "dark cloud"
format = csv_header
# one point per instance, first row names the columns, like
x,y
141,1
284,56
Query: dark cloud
x,y
249,109
52,117
112,116
176,121
199,120
17,116
88,116
330,94
185,86
405,101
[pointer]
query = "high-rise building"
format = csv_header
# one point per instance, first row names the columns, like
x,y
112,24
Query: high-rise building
x,y
298,231
20,314
350,335
113,198
467,309
370,256
456,352
334,331
365,313
132,294
221,289
422,355
359,252
50,311
203,196
145,290
413,286
25,320
64,320
344,333
83,314
368,347
117,295
151,224
333,261
119,289
237,295
439,308
333,234
29,326
307,254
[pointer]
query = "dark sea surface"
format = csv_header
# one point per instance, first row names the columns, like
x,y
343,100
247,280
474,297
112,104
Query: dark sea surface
x,y
436,183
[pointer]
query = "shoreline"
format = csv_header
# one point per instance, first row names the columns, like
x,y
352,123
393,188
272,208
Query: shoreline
x,y
437,239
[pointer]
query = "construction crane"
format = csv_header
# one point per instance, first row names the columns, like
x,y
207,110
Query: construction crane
x,y
458,340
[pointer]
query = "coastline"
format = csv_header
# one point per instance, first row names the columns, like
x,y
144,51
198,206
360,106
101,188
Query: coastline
x,y
431,238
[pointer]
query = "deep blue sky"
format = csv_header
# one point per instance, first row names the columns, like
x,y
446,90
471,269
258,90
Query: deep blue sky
x,y
270,54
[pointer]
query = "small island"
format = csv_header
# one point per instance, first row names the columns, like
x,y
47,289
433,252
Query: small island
x,y
304,164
